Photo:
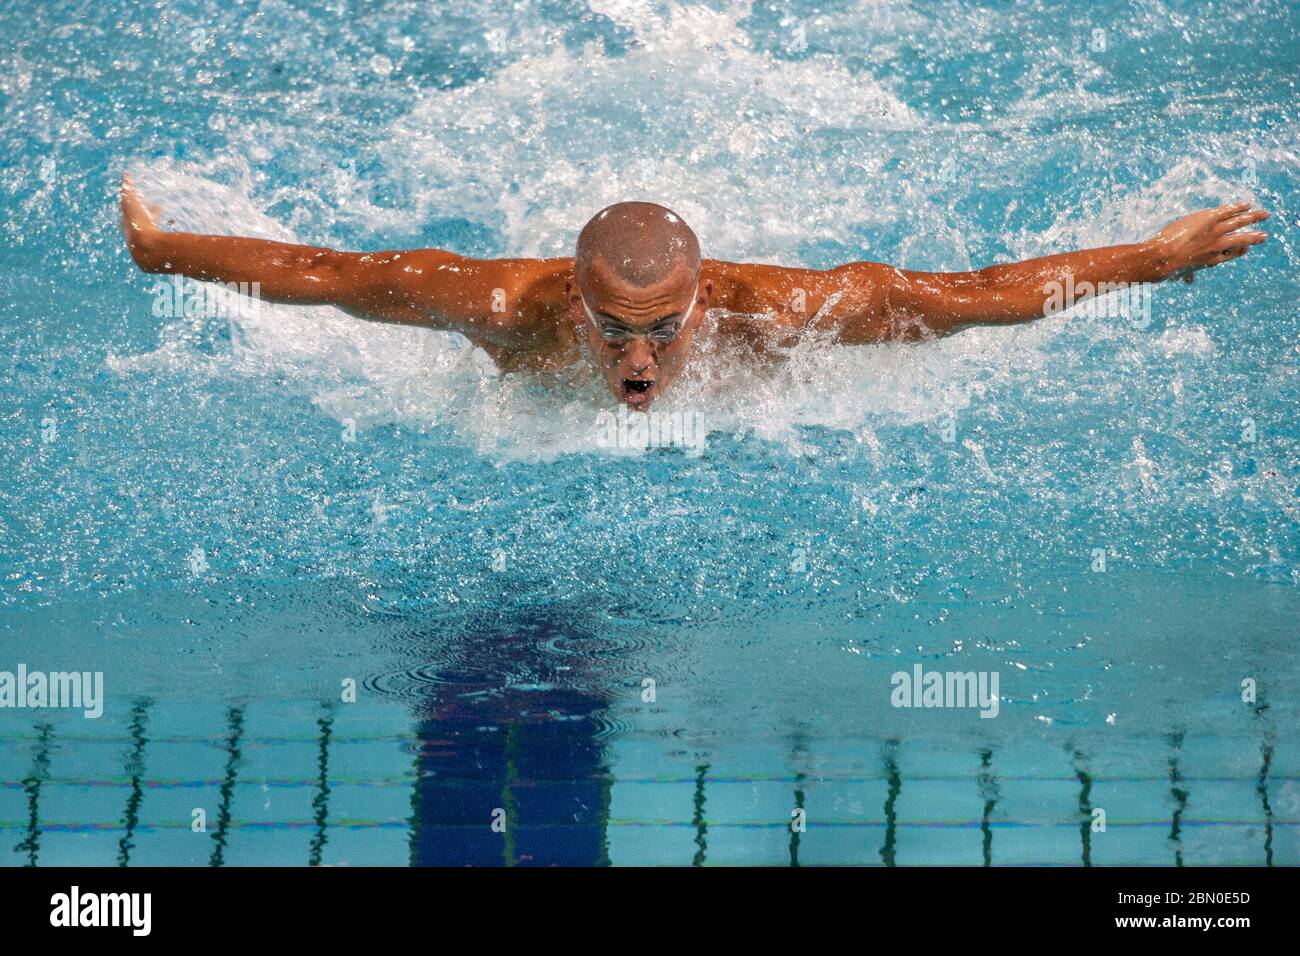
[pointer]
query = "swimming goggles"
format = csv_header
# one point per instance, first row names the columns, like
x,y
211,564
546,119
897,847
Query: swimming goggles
x,y
665,333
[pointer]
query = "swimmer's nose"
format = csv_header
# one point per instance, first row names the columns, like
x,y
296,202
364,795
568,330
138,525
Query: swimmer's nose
x,y
639,358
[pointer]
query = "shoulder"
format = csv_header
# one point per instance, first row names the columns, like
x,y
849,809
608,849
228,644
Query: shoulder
x,y
755,286
513,303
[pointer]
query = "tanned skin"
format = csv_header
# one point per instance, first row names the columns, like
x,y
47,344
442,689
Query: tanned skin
x,y
528,314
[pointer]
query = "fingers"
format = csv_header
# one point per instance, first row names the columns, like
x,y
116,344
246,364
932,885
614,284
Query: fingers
x,y
1239,240
138,212
128,188
129,195
139,219
1233,208
1229,210
1236,221
126,200
1213,236
1229,240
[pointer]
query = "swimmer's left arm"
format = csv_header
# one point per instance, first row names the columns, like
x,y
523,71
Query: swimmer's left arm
x,y
900,305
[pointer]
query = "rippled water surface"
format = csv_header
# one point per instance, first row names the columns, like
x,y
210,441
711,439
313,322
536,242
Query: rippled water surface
x,y
233,518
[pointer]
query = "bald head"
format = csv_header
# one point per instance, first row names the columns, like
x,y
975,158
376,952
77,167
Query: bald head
x,y
639,243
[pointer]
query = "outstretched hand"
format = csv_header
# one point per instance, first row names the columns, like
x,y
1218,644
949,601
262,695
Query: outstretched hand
x,y
1207,238
139,220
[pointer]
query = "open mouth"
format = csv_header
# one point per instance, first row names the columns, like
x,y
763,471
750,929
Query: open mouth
x,y
636,390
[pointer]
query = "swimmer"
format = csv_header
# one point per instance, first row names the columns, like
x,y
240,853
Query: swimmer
x,y
635,295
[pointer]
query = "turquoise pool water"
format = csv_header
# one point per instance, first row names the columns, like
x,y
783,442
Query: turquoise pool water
x,y
237,519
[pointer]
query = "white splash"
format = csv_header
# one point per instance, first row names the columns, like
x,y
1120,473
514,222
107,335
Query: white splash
x,y
769,158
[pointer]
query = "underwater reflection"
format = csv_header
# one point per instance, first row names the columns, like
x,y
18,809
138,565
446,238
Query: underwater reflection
x,y
510,769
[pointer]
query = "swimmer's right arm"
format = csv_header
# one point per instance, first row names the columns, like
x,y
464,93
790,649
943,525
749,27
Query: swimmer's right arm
x,y
427,287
